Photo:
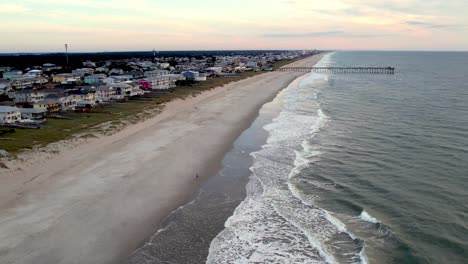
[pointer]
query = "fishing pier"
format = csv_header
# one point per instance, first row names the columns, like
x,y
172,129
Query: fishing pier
x,y
341,70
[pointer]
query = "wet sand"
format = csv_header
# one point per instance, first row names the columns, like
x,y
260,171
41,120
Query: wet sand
x,y
98,202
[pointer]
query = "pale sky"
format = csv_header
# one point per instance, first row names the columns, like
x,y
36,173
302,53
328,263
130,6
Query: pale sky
x,y
119,25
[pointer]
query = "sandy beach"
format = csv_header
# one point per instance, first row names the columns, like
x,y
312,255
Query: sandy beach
x,y
98,201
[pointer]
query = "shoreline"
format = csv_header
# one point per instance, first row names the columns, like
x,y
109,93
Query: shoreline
x,y
104,196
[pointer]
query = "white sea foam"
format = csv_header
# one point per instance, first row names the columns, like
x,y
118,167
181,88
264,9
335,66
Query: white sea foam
x,y
363,256
368,218
273,224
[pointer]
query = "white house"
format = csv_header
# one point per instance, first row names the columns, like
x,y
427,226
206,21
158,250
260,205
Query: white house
x,y
27,81
28,96
105,93
155,73
126,89
9,114
116,71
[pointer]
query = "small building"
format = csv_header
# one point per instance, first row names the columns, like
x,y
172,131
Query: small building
x,y
80,95
28,96
32,114
83,71
190,75
105,93
162,82
155,73
64,77
116,71
27,81
4,86
9,114
216,70
89,64
49,105
10,75
95,78
122,78
102,69
84,106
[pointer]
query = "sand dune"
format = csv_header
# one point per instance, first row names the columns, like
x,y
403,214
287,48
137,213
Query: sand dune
x,y
97,202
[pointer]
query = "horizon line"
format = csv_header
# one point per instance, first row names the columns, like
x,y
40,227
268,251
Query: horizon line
x,y
211,50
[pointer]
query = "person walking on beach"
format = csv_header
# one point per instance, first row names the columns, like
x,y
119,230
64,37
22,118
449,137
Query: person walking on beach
x,y
196,176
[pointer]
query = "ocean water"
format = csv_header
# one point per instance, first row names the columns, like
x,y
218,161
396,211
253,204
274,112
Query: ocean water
x,y
360,168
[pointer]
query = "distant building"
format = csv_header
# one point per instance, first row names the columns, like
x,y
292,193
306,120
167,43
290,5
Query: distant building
x,y
4,86
10,75
155,73
83,71
64,77
122,78
27,81
95,78
49,105
105,93
9,114
31,113
215,69
80,95
102,69
190,75
50,66
116,71
162,82
89,64
28,96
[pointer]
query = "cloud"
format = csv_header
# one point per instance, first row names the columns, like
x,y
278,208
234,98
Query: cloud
x,y
337,33
429,25
13,8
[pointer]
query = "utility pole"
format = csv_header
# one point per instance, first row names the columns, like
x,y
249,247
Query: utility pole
x,y
66,52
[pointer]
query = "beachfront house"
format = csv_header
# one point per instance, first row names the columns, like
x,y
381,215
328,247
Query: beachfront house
x,y
95,78
32,114
80,95
9,114
28,96
126,90
105,93
190,75
194,76
66,101
162,82
49,105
